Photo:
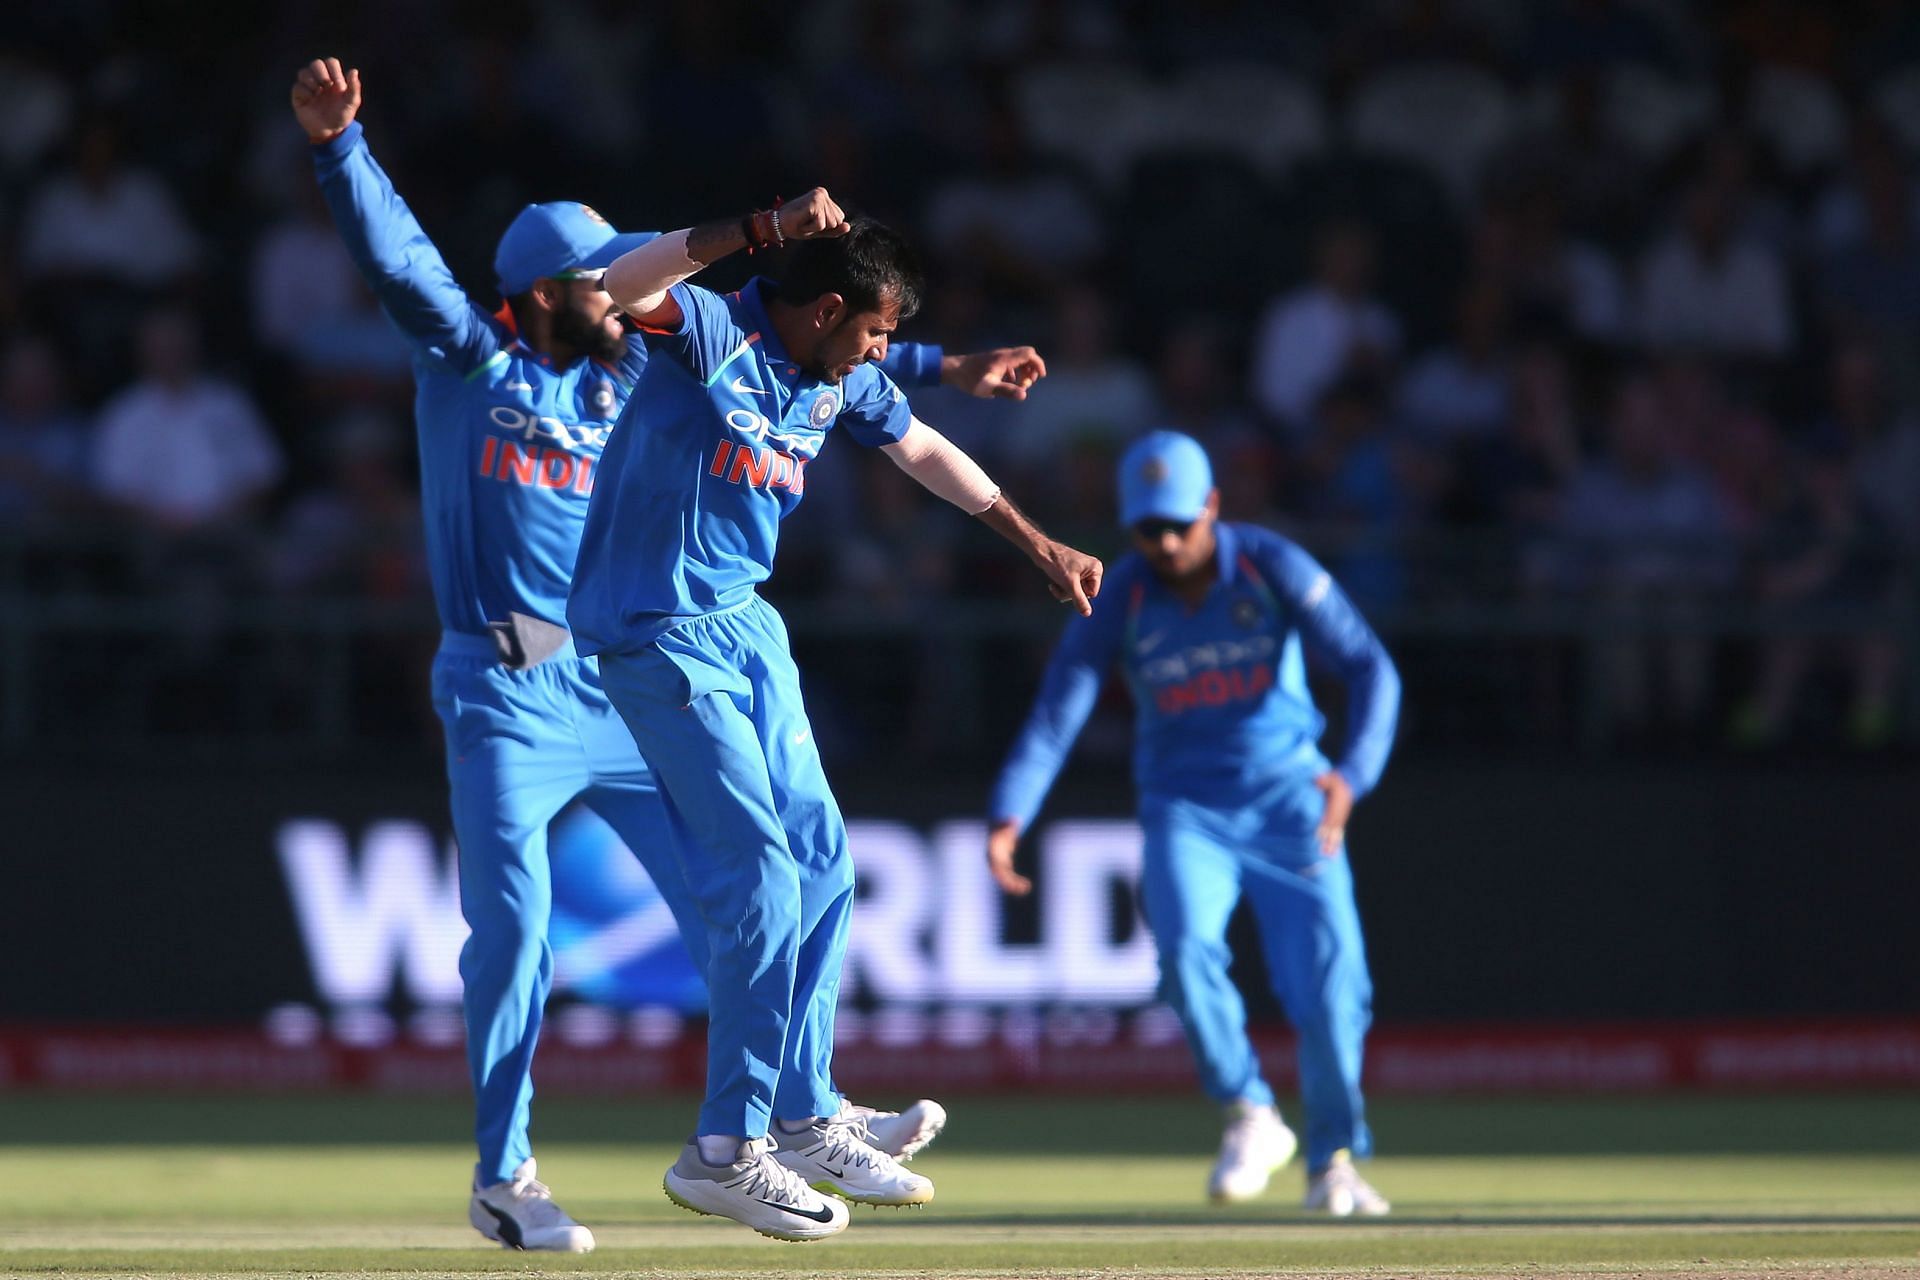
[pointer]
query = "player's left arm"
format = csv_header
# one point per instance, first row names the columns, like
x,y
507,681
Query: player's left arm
x,y
880,419
1003,373
1334,632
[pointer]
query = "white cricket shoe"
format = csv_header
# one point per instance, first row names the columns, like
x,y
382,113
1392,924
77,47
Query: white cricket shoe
x,y
901,1134
1339,1190
832,1157
1256,1143
755,1190
521,1214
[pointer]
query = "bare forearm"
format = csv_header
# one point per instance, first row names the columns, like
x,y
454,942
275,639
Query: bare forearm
x,y
711,241
639,280
1013,524
1073,576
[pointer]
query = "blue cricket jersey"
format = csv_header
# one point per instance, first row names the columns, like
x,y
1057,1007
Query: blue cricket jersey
x,y
711,454
511,447
1222,710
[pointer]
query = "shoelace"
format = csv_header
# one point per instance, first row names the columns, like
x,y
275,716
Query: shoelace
x,y
851,1144
533,1198
768,1179
854,1119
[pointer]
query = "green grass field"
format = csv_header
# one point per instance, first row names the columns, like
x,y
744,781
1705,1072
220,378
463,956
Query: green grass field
x,y
351,1186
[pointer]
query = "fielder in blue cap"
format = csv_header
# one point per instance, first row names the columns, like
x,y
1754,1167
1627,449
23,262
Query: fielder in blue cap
x,y
1210,624
515,406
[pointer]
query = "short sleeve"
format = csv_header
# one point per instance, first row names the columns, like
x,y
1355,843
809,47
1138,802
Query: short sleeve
x,y
707,336
876,411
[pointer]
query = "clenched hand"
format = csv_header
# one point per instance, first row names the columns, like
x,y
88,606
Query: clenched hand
x,y
325,98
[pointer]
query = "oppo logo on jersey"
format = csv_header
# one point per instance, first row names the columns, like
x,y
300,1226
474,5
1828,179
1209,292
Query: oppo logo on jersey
x,y
571,436
758,427
1223,653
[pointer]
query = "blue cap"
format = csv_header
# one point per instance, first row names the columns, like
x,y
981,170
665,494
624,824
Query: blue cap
x,y
546,239
1164,476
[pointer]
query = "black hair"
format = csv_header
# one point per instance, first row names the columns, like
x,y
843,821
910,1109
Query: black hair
x,y
520,305
866,266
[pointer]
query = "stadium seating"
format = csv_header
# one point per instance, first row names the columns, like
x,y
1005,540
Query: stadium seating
x,y
1097,117
1445,117
1201,234
1268,117
1898,98
1652,113
1800,116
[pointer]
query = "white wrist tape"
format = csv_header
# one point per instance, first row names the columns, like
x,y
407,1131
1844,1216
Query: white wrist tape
x,y
640,278
943,468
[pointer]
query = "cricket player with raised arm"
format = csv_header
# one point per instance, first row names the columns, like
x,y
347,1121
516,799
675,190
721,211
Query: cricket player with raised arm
x,y
1209,623
514,409
739,396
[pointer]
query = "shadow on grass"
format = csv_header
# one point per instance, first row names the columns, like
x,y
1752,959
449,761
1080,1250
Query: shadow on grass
x,y
1465,1222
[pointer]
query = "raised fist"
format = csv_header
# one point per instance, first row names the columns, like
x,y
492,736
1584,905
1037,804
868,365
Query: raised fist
x,y
325,98
812,216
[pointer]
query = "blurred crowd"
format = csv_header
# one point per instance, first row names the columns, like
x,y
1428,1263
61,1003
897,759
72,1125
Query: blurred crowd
x,y
1588,306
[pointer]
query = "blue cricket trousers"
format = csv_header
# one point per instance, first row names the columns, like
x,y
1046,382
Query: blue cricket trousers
x,y
1197,862
715,705
522,746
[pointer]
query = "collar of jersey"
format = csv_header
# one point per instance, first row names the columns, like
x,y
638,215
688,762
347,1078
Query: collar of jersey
x,y
1226,553
753,302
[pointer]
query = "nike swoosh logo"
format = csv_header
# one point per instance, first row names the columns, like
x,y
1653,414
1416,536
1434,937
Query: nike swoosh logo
x,y
519,386
1152,642
509,1229
802,736
740,385
822,1214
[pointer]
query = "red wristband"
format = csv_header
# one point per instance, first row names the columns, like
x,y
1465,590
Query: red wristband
x,y
763,235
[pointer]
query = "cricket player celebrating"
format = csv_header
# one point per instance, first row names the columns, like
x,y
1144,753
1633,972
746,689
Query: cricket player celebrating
x,y
710,455
514,410
1208,622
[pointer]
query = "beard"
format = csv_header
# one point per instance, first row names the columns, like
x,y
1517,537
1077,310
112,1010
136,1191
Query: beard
x,y
821,362
597,339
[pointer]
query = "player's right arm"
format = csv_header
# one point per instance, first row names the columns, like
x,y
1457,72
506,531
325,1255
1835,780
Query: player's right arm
x,y
386,241
1068,692
641,280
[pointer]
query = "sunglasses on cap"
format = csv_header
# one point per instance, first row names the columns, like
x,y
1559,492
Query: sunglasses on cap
x,y
580,273
1156,529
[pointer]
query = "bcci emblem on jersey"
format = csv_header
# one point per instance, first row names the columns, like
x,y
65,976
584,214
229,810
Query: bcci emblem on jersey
x,y
824,408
